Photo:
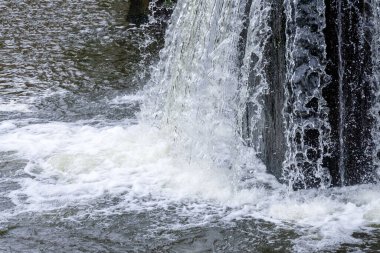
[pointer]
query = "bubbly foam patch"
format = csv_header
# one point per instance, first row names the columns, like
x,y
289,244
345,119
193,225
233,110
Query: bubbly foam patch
x,y
86,162
13,106
127,99
73,164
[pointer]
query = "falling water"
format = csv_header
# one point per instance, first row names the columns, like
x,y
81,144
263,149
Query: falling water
x,y
253,70
243,77
307,129
194,90
341,98
376,81
248,100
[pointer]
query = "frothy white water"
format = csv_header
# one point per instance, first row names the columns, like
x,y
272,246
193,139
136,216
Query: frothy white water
x,y
186,149
79,162
13,106
127,99
74,164
194,98
194,89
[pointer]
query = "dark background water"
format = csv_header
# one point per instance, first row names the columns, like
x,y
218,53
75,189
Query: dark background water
x,y
67,58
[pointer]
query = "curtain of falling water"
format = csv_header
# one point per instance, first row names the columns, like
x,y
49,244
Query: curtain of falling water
x,y
211,97
194,90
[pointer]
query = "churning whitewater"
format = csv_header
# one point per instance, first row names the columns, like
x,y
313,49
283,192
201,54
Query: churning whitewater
x,y
194,156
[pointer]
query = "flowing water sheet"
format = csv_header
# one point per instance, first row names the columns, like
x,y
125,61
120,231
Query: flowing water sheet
x,y
187,173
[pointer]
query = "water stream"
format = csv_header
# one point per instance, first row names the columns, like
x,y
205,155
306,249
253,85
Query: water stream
x,y
107,145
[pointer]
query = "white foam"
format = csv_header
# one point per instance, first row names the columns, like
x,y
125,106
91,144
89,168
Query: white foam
x,y
196,159
88,161
7,125
13,106
73,164
127,99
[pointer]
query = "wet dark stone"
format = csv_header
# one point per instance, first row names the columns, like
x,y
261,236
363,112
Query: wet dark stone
x,y
350,117
305,109
313,104
311,137
312,154
298,138
300,157
309,180
138,12
347,90
163,9
274,148
243,35
329,92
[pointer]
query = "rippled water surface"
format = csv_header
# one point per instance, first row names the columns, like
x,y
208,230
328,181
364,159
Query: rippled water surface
x,y
66,59
78,174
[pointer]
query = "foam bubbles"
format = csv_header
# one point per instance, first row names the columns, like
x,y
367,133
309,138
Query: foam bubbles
x,y
73,164
88,161
13,106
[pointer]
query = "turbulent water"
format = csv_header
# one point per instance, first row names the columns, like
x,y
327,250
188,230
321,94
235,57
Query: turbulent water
x,y
92,162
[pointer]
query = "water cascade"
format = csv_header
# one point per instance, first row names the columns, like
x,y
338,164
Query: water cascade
x,y
294,81
193,91
185,125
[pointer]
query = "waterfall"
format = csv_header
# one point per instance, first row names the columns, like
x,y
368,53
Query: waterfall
x,y
289,82
194,90
376,82
305,112
253,83
349,92
341,98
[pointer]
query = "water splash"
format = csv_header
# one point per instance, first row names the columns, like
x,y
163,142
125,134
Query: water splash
x,y
205,118
238,74
194,90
